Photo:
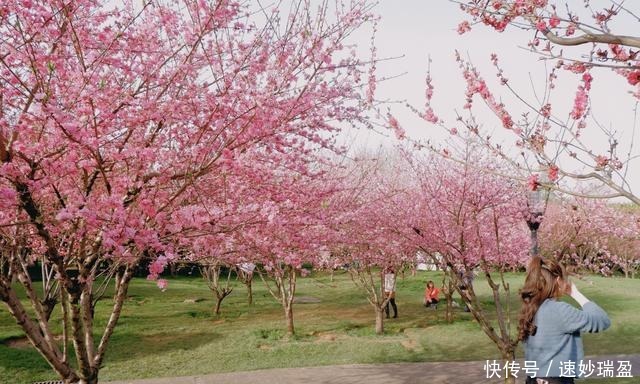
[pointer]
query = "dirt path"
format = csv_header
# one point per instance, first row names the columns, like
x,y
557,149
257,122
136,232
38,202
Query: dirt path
x,y
472,372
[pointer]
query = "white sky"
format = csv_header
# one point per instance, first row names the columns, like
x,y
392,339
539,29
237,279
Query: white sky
x,y
419,28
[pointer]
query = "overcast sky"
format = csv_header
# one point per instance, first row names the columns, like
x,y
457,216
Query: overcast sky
x,y
417,29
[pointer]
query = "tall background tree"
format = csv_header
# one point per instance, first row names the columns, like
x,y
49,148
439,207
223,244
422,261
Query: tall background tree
x,y
474,221
367,241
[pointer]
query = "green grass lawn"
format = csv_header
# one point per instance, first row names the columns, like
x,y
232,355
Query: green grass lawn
x,y
159,334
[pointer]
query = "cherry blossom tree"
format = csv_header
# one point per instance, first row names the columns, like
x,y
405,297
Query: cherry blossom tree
x,y
290,235
474,221
592,235
244,273
219,206
111,116
370,246
328,262
265,212
368,265
370,210
211,271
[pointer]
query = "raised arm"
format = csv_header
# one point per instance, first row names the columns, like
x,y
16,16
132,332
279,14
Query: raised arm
x,y
591,318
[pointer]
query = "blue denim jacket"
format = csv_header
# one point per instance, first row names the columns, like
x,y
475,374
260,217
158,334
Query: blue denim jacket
x,y
557,339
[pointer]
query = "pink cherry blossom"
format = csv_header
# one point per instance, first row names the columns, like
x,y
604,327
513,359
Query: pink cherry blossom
x,y
532,182
463,27
601,161
430,116
580,103
633,77
576,67
395,126
552,173
545,111
162,284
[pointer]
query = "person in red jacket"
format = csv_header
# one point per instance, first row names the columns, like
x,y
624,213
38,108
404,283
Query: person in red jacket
x,y
431,295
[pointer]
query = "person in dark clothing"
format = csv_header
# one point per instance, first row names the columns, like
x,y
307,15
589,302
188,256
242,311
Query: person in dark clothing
x,y
465,281
390,292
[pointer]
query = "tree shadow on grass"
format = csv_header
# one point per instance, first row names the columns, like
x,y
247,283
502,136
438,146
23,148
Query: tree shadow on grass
x,y
128,346
24,359
17,355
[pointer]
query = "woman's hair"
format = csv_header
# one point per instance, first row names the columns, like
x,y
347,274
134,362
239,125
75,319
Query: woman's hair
x,y
430,284
540,284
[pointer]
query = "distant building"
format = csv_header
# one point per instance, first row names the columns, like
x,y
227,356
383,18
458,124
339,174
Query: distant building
x,y
424,262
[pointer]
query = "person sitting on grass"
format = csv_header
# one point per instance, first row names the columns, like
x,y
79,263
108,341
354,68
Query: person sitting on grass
x,y
550,328
431,295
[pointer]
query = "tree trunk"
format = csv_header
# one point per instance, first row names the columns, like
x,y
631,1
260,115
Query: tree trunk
x,y
173,269
216,310
211,273
118,302
220,295
48,305
534,242
91,380
285,282
448,295
288,316
379,321
250,292
508,356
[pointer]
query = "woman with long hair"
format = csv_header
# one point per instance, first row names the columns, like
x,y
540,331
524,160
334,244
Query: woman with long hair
x,y
431,295
550,329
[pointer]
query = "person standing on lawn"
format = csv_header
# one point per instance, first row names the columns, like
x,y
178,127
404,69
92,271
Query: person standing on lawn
x,y
551,328
390,292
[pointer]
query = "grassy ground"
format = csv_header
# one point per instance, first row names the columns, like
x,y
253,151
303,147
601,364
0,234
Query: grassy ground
x,y
166,334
